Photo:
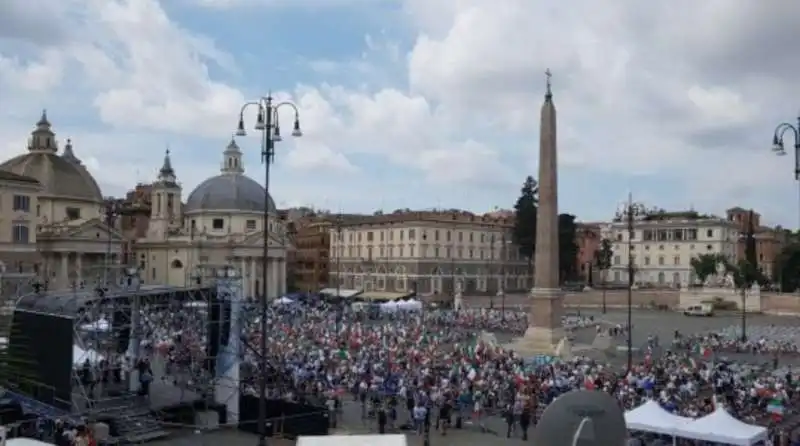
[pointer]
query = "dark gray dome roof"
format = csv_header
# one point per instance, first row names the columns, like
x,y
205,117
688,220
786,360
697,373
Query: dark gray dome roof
x,y
228,192
58,176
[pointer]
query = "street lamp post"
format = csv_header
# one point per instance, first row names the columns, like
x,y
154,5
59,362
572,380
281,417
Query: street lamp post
x,y
779,148
338,272
268,123
630,211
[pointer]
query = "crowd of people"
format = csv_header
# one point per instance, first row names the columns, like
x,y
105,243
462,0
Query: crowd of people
x,y
436,368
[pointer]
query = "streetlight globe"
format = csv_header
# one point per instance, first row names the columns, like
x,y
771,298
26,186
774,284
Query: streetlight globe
x,y
777,144
297,132
276,134
240,131
260,120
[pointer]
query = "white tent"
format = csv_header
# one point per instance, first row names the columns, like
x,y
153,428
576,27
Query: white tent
x,y
651,417
410,305
282,301
101,325
390,306
721,427
79,356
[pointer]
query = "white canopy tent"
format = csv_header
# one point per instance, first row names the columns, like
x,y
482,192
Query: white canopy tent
x,y
79,356
282,301
410,305
651,417
721,427
101,325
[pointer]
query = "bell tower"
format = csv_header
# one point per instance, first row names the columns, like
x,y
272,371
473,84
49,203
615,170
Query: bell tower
x,y
165,211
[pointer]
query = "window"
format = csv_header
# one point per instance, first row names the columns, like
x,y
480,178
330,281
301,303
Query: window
x,y
38,210
73,213
411,250
676,260
370,236
647,234
471,238
460,236
691,234
619,237
661,260
22,203
217,224
381,251
21,233
382,236
391,235
660,247
412,234
358,237
677,234
249,224
449,252
709,247
616,260
436,250
710,233
401,235
471,253
647,260
449,236
436,236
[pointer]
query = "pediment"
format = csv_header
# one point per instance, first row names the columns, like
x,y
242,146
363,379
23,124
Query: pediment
x,y
257,239
93,229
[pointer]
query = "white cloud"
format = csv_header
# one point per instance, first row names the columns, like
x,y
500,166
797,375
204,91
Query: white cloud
x,y
662,88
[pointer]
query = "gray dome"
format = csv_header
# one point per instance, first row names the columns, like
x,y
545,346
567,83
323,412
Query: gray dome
x,y
59,177
228,192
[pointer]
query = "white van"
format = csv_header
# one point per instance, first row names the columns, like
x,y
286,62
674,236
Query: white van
x,y
703,310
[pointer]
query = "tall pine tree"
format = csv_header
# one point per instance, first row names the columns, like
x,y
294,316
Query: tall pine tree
x,y
567,247
524,232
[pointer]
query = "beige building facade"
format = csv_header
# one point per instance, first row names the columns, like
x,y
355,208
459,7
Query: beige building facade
x,y
664,245
221,223
52,215
427,253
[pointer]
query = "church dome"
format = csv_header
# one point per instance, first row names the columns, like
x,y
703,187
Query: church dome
x,y
229,191
60,176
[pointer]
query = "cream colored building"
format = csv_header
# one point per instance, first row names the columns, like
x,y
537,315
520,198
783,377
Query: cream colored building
x,y
664,245
220,224
52,215
427,253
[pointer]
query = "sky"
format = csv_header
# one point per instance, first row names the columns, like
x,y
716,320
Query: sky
x,y
421,103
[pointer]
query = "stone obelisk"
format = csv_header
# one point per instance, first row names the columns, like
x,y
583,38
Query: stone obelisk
x,y
545,334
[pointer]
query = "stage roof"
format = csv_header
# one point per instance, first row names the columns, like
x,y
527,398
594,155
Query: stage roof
x,y
68,303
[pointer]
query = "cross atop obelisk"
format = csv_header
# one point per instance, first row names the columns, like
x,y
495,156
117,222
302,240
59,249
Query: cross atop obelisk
x,y
545,334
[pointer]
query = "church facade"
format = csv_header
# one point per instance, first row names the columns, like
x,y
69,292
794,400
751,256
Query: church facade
x,y
221,223
52,217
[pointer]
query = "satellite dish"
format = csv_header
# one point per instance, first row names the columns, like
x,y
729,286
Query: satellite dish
x,y
582,418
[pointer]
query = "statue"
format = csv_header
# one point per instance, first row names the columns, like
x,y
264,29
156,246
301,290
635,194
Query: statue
x,y
458,300
729,282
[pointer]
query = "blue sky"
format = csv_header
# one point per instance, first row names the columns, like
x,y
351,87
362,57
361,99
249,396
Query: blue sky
x,y
417,103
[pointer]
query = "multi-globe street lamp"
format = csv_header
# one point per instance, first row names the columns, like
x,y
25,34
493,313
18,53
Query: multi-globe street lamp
x,y
629,212
268,123
779,148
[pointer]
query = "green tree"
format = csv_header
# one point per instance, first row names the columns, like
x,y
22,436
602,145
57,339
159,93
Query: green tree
x,y
787,268
705,265
524,231
602,261
567,247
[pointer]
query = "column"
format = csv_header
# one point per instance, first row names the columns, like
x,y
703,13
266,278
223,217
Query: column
x,y
79,268
243,274
274,278
253,278
282,275
64,276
